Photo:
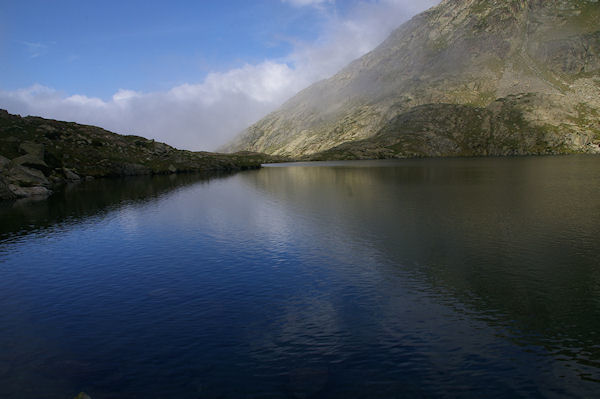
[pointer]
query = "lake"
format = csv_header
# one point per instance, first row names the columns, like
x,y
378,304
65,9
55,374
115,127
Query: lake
x,y
372,279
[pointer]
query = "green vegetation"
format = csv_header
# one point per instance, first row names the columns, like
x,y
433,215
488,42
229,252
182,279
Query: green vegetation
x,y
442,130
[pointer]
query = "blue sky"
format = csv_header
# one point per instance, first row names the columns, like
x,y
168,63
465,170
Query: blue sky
x,y
213,67
97,47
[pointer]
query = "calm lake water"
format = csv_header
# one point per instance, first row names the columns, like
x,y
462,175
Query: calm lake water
x,y
388,279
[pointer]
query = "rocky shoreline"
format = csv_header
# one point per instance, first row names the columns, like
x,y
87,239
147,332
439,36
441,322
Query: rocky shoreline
x,y
38,155
24,176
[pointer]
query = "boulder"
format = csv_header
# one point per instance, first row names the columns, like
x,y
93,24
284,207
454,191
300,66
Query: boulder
x,y
31,148
23,176
46,128
70,175
26,192
161,148
31,161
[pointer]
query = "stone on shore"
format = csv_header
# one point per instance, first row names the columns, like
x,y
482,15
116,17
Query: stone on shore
x,y
70,175
31,161
26,177
26,192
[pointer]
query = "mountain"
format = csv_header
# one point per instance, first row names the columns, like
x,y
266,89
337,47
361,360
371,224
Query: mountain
x,y
467,77
38,154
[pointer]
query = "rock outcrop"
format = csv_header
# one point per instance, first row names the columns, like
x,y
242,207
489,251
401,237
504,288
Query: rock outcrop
x,y
36,155
467,77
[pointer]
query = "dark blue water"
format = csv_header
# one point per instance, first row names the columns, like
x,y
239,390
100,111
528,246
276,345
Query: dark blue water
x,y
426,278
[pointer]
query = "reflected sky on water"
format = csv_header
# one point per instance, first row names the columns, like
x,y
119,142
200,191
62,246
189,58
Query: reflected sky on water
x,y
457,277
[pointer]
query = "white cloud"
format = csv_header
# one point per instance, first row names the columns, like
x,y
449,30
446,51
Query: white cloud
x,y
122,96
205,115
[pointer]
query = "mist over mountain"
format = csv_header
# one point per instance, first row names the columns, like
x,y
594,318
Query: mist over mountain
x,y
467,77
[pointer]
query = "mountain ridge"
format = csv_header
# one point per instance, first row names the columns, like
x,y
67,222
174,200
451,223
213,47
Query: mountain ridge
x,y
38,155
472,53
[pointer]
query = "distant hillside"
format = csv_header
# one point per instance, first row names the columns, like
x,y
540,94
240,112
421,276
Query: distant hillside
x,y
468,77
37,154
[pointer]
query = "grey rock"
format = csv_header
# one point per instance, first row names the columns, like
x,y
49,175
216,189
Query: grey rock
x,y
33,149
161,148
70,175
31,161
47,129
26,177
26,192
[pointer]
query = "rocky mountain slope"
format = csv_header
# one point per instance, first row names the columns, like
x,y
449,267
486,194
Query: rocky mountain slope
x,y
38,154
467,77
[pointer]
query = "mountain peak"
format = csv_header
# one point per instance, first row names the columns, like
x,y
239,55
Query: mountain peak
x,y
461,52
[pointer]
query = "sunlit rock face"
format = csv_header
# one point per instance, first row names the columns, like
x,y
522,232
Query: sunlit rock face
x,y
468,77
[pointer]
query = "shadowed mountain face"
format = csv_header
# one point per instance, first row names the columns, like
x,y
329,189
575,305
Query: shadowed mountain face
x,y
37,154
468,77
